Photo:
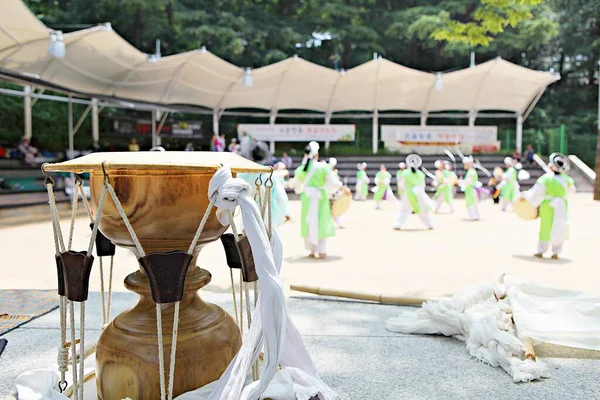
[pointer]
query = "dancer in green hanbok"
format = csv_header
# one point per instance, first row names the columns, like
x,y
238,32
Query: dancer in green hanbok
x,y
362,182
443,194
510,185
318,181
399,183
382,190
468,185
414,198
550,194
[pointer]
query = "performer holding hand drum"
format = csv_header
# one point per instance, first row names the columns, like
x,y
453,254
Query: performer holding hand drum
x,y
443,193
509,188
318,181
550,194
414,198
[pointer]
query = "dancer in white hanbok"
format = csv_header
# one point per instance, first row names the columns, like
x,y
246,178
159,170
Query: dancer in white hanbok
x,y
414,198
550,194
362,182
318,181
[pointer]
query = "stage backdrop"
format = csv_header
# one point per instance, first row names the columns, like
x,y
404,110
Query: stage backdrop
x,y
434,139
298,132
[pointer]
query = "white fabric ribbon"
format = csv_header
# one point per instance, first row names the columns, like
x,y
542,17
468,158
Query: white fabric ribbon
x,y
271,323
38,384
312,217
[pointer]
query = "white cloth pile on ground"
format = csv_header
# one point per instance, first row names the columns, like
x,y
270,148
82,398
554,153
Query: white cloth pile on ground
x,y
494,319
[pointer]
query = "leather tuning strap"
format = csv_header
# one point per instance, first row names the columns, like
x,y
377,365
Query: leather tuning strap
x,y
104,247
239,255
77,267
166,273
60,273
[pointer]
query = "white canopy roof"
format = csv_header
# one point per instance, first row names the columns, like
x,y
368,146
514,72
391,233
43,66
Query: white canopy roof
x,y
99,62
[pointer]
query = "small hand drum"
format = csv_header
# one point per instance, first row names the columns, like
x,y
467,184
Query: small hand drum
x,y
525,210
340,204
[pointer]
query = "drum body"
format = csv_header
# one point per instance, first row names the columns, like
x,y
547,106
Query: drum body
x,y
340,203
164,196
525,210
164,208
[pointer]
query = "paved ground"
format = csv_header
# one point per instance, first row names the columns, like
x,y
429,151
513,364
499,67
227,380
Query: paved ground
x,y
354,354
351,347
368,255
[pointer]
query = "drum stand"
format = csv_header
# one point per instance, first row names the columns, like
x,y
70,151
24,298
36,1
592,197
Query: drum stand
x,y
73,272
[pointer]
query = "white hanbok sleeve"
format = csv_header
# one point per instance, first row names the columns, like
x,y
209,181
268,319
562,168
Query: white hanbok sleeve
x,y
536,194
332,183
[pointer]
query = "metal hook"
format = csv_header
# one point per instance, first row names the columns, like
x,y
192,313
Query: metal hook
x,y
106,177
47,178
269,182
258,181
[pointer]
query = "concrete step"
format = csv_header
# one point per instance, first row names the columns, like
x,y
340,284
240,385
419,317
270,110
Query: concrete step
x,y
12,216
582,183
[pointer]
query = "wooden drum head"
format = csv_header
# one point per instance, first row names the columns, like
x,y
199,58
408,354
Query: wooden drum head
x,y
340,205
164,194
525,210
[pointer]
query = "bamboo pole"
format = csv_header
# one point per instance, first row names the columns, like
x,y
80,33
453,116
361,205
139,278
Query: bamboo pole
x,y
529,350
380,298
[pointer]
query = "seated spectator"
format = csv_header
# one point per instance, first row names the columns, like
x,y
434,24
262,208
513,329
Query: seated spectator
x,y
133,145
287,160
530,153
517,155
232,146
27,151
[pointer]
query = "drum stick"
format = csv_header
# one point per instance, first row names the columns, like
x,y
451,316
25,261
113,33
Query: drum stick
x,y
380,298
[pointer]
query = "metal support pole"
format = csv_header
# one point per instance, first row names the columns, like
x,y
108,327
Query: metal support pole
x,y
71,154
162,119
375,142
563,140
272,119
472,118
28,124
327,122
519,144
95,123
154,135
424,116
216,122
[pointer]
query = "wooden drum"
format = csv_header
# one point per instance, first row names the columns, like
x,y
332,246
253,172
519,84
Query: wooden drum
x,y
164,195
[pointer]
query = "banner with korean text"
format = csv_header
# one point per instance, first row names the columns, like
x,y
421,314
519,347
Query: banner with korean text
x,y
298,132
433,139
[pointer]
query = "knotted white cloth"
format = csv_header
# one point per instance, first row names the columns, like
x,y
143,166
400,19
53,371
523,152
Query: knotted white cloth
x,y
271,324
476,316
